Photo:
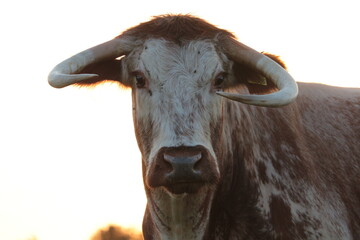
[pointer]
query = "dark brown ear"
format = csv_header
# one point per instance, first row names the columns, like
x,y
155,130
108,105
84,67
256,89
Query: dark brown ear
x,y
254,81
109,70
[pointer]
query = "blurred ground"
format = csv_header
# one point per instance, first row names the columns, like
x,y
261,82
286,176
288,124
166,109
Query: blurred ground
x,y
117,233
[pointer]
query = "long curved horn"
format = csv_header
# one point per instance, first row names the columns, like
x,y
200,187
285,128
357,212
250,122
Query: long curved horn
x,y
65,73
287,86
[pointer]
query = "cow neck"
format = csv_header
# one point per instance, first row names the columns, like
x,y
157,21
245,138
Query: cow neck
x,y
175,218
234,211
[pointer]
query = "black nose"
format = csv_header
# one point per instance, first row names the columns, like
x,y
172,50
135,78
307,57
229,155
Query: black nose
x,y
184,167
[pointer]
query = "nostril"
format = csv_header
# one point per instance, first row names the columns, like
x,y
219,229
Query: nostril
x,y
167,163
198,162
168,158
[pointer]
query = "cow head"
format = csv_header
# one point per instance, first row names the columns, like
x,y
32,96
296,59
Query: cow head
x,y
179,69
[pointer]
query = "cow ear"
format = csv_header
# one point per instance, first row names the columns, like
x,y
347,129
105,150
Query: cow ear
x,y
253,80
107,71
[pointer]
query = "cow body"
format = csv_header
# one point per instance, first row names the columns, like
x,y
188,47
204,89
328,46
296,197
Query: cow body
x,y
218,169
288,173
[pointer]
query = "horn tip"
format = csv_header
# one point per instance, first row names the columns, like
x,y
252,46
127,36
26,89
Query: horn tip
x,y
57,80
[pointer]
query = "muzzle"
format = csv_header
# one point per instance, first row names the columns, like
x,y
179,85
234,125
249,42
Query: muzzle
x,y
182,169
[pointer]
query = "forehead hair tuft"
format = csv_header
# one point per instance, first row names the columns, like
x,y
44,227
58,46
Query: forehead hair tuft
x,y
176,28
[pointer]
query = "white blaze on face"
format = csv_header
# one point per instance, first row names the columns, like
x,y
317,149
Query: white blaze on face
x,y
178,100
176,106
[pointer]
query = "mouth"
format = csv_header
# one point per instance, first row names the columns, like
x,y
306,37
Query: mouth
x,y
184,187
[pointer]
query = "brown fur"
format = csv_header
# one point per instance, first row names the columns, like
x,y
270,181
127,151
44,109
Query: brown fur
x,y
109,70
176,28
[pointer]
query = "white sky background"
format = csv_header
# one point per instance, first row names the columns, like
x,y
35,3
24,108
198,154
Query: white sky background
x,y
69,162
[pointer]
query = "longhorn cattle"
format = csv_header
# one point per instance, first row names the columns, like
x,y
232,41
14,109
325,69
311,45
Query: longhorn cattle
x,y
224,153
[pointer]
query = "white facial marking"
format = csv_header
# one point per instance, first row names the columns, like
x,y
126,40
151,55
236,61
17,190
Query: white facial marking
x,y
182,102
177,106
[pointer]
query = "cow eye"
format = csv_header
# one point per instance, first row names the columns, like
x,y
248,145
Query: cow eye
x,y
140,79
219,79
